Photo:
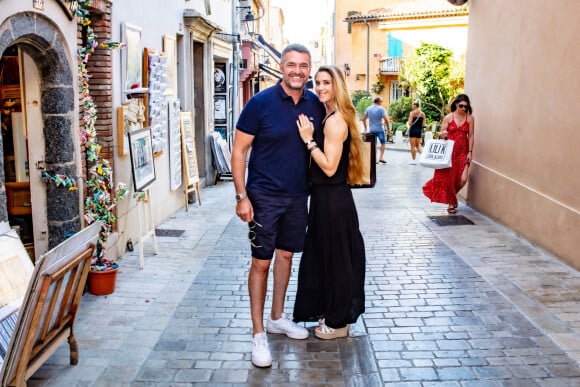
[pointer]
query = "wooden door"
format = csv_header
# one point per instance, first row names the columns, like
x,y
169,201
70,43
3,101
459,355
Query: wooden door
x,y
30,84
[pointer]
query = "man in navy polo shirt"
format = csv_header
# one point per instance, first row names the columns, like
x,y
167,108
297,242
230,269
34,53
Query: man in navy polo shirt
x,y
273,199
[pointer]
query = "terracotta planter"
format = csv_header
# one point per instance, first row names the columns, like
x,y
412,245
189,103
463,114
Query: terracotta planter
x,y
102,283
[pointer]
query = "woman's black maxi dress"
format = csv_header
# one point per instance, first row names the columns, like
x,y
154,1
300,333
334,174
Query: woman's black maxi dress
x,y
332,269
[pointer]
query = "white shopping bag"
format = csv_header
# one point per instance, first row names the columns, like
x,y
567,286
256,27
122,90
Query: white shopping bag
x,y
437,154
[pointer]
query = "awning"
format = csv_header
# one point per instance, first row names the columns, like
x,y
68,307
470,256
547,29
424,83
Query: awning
x,y
273,72
271,51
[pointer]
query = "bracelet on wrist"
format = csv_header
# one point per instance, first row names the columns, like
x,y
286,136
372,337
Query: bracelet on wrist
x,y
309,142
313,148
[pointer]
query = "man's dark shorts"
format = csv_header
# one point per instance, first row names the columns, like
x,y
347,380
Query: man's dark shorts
x,y
280,223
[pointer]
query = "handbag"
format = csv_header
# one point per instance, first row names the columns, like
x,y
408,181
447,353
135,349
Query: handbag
x,y
369,162
437,154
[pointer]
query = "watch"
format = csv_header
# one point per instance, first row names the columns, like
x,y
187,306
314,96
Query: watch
x,y
240,197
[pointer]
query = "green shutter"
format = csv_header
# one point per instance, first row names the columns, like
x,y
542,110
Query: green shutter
x,y
395,48
350,13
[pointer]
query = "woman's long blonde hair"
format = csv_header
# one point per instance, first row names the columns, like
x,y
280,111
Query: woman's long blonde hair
x,y
347,110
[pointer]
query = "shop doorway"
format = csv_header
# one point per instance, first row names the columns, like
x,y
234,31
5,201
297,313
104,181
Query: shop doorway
x,y
23,149
45,85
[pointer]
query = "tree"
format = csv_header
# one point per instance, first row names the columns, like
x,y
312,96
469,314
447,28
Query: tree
x,y
361,99
399,113
435,78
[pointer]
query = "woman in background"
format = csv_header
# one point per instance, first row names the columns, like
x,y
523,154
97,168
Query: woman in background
x,y
332,268
457,126
416,123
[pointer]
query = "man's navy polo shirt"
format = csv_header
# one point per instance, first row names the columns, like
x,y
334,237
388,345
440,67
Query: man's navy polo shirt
x,y
279,159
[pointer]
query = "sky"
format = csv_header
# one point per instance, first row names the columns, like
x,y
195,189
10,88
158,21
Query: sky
x,y
303,19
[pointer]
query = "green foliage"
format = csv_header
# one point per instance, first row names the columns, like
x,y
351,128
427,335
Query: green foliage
x,y
399,110
398,126
357,95
435,78
378,86
362,105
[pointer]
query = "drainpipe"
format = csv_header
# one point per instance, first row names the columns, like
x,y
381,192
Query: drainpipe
x,y
235,74
368,52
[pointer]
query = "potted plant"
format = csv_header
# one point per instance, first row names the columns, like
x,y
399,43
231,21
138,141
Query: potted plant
x,y
102,275
99,205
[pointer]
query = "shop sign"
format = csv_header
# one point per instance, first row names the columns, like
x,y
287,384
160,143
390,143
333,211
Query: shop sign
x,y
69,7
38,4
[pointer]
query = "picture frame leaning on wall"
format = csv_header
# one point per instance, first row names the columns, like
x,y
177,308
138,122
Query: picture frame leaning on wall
x,y
142,162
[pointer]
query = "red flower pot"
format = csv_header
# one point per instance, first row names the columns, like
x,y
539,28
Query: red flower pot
x,y
102,283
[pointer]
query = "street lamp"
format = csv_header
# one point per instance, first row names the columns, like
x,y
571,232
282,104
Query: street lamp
x,y
248,20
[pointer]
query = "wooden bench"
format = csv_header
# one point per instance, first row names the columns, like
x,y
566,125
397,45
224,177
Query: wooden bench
x,y
47,314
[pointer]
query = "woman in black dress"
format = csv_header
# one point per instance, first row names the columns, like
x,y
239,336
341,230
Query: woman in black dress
x,y
416,123
332,269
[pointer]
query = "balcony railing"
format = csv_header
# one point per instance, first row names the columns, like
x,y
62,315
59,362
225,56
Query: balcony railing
x,y
391,65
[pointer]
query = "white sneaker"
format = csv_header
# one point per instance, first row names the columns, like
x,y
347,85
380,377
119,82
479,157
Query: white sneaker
x,y
261,356
286,326
413,162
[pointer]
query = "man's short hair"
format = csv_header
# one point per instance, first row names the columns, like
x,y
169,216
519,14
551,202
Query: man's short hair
x,y
295,47
378,99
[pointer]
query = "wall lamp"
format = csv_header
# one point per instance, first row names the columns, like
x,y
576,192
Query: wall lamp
x,y
346,69
248,19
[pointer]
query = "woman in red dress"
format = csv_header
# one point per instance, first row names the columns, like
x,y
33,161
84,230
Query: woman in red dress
x,y
457,126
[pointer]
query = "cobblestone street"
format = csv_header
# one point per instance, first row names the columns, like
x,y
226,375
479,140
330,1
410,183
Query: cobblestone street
x,y
452,300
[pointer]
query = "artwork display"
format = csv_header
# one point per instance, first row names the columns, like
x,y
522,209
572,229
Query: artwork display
x,y
220,110
142,164
219,78
189,151
175,156
129,117
131,59
157,99
170,51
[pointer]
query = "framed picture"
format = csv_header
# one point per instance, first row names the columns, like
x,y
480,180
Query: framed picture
x,y
140,146
175,156
219,78
220,110
188,149
170,50
131,59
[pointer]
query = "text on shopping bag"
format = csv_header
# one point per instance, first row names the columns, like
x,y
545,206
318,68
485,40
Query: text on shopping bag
x,y
436,151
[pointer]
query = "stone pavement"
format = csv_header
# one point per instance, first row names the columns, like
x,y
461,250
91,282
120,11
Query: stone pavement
x,y
449,303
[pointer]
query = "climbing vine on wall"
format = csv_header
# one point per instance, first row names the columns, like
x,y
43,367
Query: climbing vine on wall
x,y
101,195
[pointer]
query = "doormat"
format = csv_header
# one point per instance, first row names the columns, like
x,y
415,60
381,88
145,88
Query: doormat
x,y
451,220
168,233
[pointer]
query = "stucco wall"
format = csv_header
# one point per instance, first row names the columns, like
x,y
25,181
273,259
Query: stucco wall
x,y
164,202
522,77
